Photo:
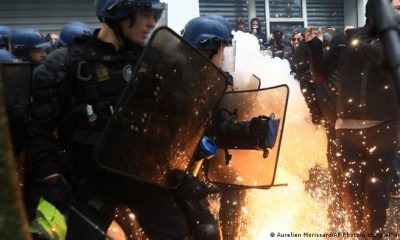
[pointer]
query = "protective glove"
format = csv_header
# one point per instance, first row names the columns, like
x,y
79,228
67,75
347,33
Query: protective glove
x,y
264,130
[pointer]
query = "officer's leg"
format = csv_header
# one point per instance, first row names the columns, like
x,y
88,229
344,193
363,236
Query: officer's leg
x,y
87,222
351,156
157,213
382,148
97,198
335,211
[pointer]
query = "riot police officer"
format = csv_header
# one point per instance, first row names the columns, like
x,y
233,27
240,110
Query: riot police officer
x,y
74,94
29,45
211,34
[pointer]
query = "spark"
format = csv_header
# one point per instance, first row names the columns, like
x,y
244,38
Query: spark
x,y
371,150
354,42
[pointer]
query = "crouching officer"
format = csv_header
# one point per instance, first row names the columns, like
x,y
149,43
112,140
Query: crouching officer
x,y
74,94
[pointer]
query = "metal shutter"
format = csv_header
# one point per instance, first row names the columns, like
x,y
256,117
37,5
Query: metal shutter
x,y
233,10
260,12
325,13
285,8
46,15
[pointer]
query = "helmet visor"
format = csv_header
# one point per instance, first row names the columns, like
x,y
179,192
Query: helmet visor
x,y
140,5
156,8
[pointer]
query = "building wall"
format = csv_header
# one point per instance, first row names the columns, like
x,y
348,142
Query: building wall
x,y
282,14
51,15
361,12
350,13
180,12
326,13
46,15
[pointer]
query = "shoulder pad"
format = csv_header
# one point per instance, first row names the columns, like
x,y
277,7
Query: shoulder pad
x,y
57,58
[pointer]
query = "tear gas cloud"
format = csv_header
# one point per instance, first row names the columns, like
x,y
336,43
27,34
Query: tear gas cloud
x,y
303,146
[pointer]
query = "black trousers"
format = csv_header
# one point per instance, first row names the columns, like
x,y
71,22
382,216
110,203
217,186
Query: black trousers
x,y
367,163
335,211
154,207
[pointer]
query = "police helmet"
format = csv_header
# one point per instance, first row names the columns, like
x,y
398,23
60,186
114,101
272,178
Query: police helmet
x,y
6,56
28,38
72,31
5,35
120,9
5,31
222,20
207,33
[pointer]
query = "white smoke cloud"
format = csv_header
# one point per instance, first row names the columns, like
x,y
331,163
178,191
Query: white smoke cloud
x,y
303,146
302,140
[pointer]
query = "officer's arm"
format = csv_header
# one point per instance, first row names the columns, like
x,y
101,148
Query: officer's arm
x,y
45,111
316,61
372,53
362,41
324,65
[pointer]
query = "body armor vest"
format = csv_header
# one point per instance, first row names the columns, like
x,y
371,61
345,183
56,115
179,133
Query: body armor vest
x,y
95,85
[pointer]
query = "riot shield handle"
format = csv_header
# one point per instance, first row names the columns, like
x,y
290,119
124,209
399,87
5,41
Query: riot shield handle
x,y
206,149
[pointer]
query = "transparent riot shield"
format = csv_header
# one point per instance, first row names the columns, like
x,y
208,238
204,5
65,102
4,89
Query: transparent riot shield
x,y
248,167
162,113
17,83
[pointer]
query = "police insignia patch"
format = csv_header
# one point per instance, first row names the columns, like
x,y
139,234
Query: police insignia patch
x,y
127,72
102,74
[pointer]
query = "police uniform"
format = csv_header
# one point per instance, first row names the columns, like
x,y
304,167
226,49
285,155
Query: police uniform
x,y
74,93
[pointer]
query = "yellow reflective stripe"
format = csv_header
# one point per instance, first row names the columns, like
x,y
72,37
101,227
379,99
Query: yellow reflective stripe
x,y
43,227
49,221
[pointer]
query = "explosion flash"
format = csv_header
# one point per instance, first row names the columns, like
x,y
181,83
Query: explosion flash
x,y
284,209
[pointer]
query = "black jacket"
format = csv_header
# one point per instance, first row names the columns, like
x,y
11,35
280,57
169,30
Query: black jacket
x,y
60,99
366,91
